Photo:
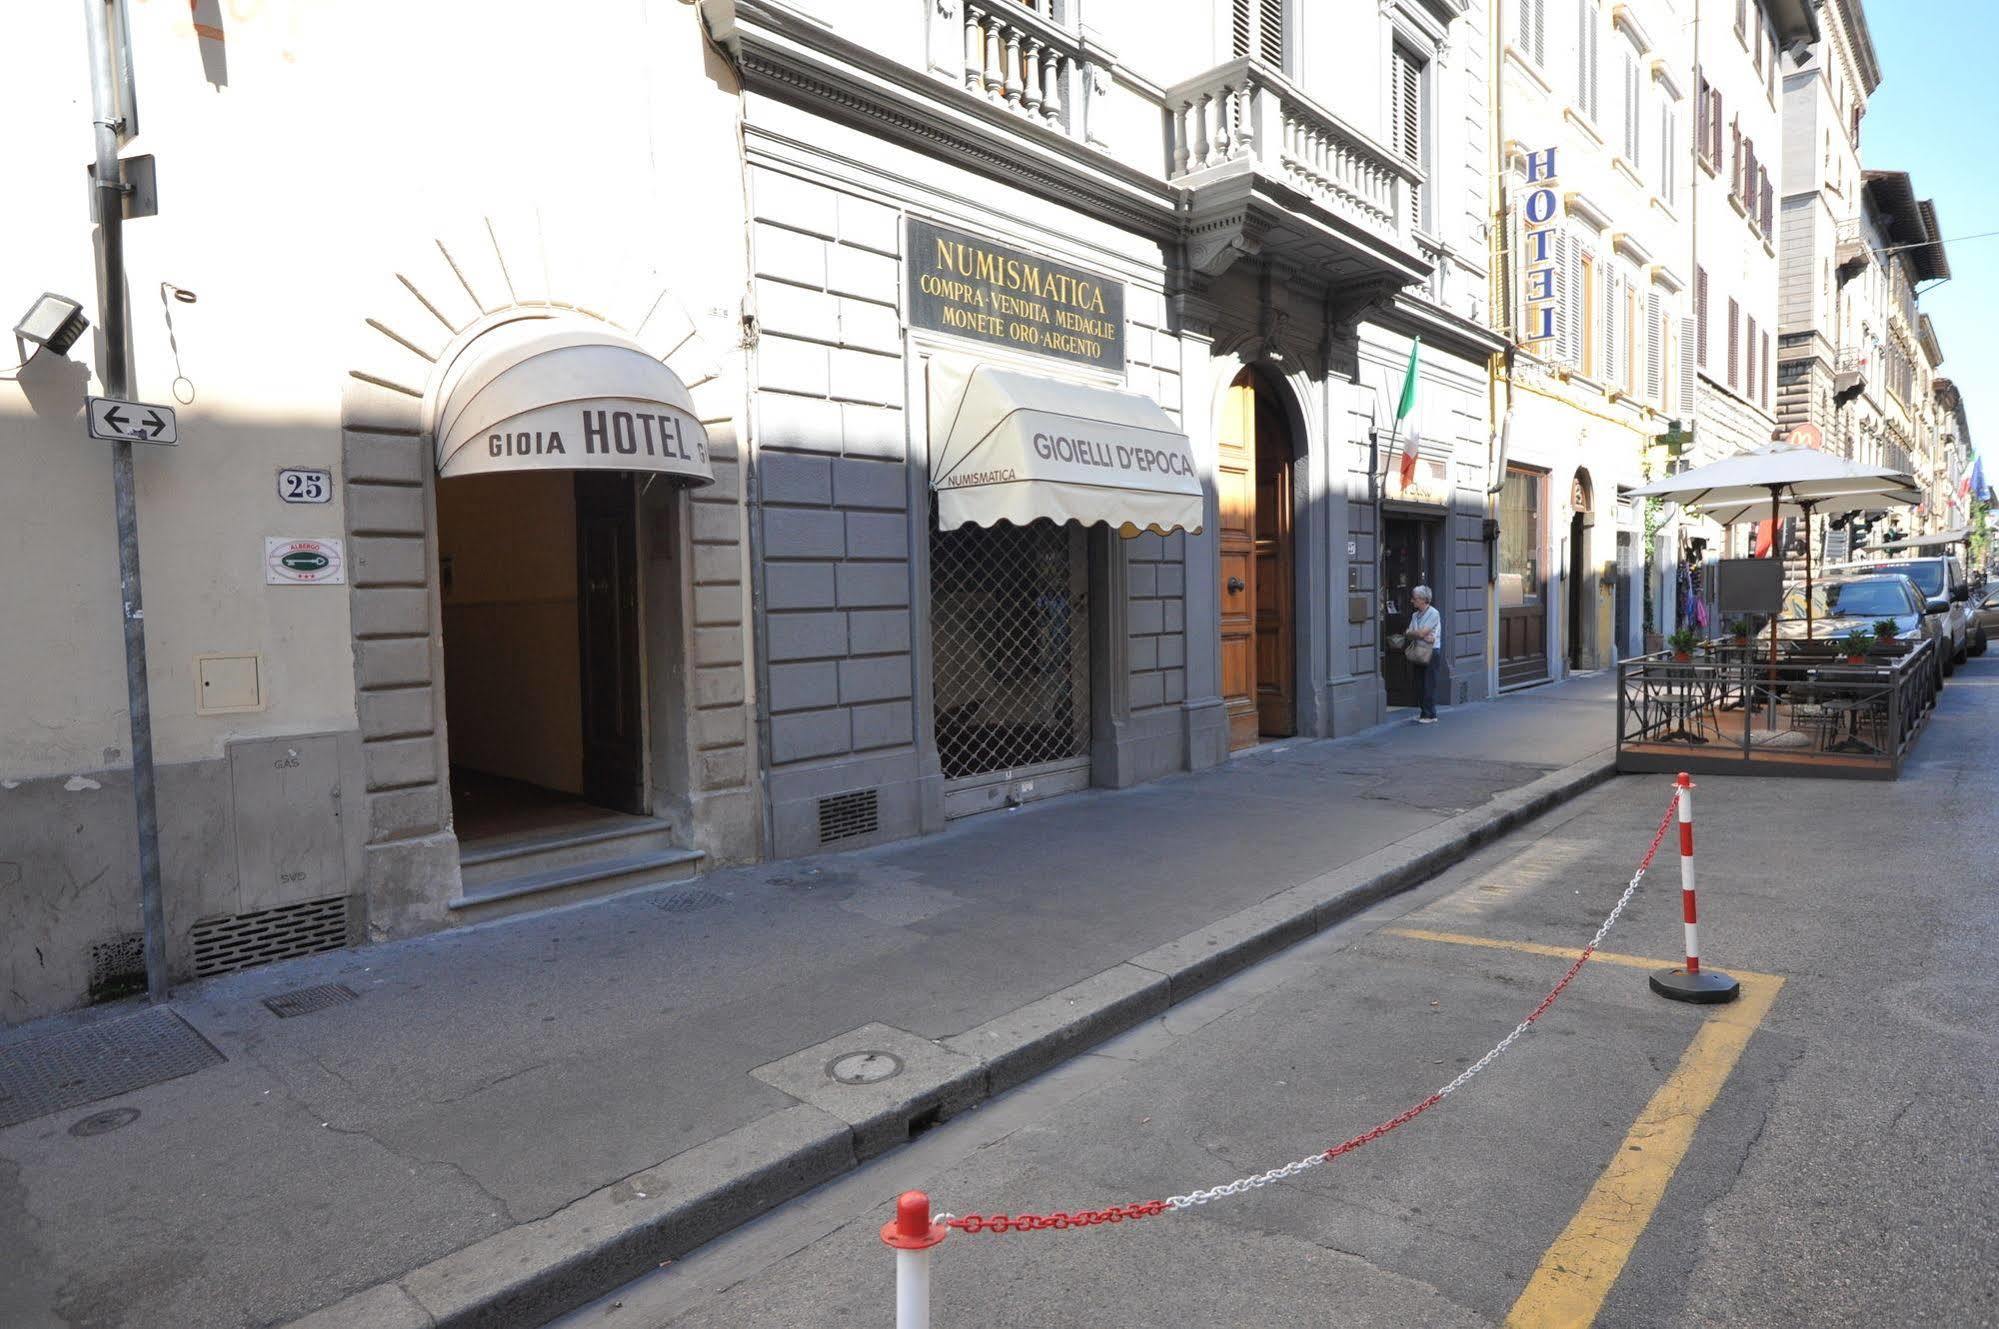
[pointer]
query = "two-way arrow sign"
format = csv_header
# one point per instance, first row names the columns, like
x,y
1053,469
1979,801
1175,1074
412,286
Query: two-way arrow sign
x,y
131,421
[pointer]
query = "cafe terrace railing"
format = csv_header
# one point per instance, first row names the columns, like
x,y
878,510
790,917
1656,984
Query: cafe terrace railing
x,y
1729,710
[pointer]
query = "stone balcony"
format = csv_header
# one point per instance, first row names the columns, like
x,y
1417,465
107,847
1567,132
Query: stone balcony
x,y
1270,171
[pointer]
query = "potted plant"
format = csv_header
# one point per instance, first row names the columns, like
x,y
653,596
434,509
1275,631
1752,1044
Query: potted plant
x,y
1857,643
1683,642
1885,629
1740,630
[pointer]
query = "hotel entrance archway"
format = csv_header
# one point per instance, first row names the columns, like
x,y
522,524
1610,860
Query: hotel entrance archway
x,y
538,580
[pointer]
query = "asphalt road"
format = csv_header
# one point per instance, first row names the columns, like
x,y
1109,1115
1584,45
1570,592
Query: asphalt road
x,y
1840,1125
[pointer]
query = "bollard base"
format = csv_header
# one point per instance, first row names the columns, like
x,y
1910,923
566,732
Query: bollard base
x,y
1708,987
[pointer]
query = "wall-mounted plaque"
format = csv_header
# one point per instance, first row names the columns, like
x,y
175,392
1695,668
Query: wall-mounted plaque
x,y
971,287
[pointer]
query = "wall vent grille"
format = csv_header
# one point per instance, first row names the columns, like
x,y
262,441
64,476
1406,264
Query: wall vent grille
x,y
241,941
844,816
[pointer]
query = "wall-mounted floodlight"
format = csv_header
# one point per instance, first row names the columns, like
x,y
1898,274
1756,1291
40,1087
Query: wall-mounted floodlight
x,y
54,321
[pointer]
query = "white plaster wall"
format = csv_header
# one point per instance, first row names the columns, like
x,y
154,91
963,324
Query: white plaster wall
x,y
305,156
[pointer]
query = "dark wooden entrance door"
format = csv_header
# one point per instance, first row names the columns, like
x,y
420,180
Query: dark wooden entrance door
x,y
1235,484
1276,692
1405,565
607,614
1580,597
1254,479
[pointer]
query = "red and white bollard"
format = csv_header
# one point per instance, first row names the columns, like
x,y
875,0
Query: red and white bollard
x,y
912,1234
1692,983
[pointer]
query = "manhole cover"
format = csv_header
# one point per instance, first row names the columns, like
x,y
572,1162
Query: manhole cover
x,y
103,1123
304,1001
865,1067
78,1066
688,902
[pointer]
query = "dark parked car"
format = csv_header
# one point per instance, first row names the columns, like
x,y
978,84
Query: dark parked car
x,y
1941,582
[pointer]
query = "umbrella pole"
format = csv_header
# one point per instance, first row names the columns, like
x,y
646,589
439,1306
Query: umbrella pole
x,y
1808,568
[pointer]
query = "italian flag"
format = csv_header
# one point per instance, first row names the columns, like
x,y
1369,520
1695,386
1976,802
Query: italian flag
x,y
1404,411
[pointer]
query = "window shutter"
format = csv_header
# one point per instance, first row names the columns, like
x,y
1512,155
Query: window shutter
x,y
1595,75
1767,371
1607,371
1239,31
1749,364
1653,350
1564,348
1572,299
1734,343
1700,316
1270,32
1408,106
1688,336
1583,8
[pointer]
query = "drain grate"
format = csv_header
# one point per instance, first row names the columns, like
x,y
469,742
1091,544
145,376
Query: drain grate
x,y
688,902
60,1071
304,1001
240,941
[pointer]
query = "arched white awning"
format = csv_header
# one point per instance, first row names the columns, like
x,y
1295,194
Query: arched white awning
x,y
1012,446
566,394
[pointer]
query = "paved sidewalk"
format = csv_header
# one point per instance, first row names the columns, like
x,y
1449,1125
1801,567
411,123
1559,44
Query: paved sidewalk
x,y
561,1098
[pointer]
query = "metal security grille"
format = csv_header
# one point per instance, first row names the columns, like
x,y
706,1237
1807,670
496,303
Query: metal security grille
x,y
304,1001
1010,641
238,941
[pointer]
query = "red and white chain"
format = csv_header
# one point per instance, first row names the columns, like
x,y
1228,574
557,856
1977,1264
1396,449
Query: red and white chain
x,y
1173,1204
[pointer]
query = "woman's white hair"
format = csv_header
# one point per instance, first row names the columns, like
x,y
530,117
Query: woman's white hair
x,y
1424,591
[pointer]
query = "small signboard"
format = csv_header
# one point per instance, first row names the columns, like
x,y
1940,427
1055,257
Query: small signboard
x,y
972,287
289,562
117,421
300,485
1749,585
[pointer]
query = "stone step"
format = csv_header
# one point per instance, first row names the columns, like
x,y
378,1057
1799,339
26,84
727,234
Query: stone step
x,y
573,883
482,862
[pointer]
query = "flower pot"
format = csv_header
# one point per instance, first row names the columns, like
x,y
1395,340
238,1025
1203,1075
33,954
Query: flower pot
x,y
1741,641
1856,659
1682,657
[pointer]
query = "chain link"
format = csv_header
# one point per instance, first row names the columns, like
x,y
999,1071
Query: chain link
x,y
1175,1203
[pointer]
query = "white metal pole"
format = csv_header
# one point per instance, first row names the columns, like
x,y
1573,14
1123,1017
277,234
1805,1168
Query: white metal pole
x,y
911,1234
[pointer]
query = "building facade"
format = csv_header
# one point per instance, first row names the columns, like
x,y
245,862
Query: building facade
x,y
452,548
781,426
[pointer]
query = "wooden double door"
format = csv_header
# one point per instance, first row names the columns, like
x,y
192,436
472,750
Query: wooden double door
x,y
1254,476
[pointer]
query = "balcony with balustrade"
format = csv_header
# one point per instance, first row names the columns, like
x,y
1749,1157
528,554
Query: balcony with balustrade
x,y
1269,170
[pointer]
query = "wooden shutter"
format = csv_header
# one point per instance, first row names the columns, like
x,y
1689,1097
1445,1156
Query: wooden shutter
x,y
1575,310
1734,343
1688,337
1654,350
1270,32
1700,316
1767,371
1564,348
1584,13
1749,364
1406,113
1612,297
1242,22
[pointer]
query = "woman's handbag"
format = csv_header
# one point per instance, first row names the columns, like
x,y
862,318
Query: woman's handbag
x,y
1417,651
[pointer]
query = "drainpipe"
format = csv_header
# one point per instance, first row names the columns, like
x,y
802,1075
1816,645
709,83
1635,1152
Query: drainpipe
x,y
115,371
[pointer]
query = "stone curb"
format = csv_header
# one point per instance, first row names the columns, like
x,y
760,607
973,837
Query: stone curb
x,y
527,1274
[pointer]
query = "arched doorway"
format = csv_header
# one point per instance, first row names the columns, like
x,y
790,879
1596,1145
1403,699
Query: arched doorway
x,y
1255,481
1582,592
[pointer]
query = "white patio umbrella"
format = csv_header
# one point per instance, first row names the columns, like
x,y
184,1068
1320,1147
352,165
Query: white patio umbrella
x,y
1778,480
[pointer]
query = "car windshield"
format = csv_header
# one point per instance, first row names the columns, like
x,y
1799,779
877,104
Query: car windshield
x,y
1876,597
1928,576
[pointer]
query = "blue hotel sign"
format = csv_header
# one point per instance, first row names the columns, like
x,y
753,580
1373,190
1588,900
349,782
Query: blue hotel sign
x,y
1538,233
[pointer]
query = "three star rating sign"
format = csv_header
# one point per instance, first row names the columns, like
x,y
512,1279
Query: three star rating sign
x,y
131,421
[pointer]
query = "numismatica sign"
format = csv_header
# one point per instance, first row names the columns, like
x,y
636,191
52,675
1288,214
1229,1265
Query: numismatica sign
x,y
971,287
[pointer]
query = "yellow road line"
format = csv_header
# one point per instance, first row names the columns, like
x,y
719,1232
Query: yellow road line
x,y
1578,1271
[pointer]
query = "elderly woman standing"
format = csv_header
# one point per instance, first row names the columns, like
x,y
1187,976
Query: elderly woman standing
x,y
1426,626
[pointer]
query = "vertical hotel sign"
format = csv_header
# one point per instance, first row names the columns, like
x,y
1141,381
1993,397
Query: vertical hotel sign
x,y
971,287
1538,236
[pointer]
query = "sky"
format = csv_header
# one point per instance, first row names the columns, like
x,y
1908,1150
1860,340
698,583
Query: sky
x,y
1936,109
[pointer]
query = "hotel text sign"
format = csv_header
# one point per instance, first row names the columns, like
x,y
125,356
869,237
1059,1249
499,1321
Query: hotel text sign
x,y
970,287
1538,233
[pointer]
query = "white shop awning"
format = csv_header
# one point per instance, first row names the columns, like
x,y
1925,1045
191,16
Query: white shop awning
x,y
570,395
1012,446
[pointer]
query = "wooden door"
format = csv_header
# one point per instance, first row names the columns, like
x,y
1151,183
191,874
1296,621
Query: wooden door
x,y
607,615
1523,613
1235,483
1276,701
